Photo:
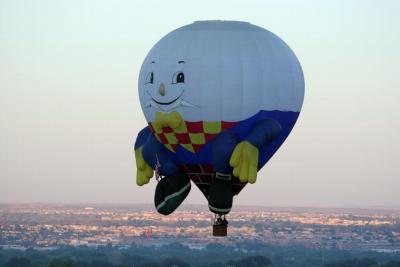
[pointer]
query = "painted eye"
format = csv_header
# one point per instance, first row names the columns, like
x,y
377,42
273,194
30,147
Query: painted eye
x,y
150,78
179,77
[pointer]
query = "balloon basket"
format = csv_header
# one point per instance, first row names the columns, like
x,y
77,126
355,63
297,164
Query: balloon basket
x,y
220,230
220,226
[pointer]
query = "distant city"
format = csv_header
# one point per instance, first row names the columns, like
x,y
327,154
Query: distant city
x,y
50,226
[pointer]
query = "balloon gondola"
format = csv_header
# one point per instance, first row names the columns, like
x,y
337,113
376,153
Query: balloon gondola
x,y
220,225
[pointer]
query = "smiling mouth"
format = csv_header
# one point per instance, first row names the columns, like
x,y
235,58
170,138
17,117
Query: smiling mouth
x,y
166,103
165,106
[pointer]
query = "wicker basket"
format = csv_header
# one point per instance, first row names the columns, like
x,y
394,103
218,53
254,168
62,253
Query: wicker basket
x,y
220,230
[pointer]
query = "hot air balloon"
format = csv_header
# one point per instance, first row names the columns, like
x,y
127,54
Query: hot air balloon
x,y
220,98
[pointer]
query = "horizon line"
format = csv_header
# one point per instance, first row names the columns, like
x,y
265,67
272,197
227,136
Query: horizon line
x,y
377,207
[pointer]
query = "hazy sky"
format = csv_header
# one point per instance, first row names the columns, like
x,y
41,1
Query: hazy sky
x,y
69,108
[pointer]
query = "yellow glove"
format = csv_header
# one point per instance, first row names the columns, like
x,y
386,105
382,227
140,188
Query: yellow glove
x,y
144,171
244,162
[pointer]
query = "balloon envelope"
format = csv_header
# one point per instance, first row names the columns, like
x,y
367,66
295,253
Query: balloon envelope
x,y
234,73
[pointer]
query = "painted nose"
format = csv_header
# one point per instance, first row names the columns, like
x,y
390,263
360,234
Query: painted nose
x,y
161,89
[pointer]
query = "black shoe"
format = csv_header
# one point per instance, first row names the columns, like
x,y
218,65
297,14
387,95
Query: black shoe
x,y
220,194
170,192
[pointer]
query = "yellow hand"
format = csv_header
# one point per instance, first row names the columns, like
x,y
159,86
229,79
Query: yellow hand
x,y
244,162
173,120
144,171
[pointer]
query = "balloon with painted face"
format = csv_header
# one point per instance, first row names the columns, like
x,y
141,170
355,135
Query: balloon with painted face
x,y
215,77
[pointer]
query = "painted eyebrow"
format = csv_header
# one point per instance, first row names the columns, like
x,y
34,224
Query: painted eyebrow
x,y
181,61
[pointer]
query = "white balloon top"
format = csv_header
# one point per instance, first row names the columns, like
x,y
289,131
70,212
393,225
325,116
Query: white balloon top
x,y
220,71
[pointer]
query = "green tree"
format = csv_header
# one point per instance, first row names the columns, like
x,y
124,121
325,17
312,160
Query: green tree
x,y
366,262
60,263
101,263
174,262
150,264
18,262
253,261
392,264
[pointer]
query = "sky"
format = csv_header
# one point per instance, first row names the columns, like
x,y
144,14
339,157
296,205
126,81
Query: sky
x,y
70,112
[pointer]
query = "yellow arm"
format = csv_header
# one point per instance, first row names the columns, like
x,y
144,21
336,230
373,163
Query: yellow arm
x,y
144,171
